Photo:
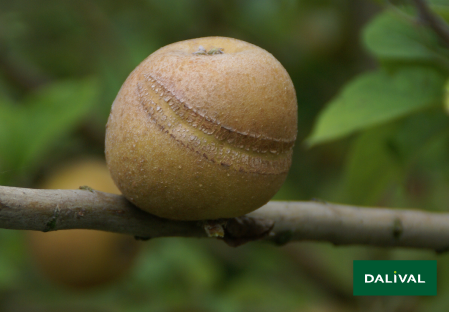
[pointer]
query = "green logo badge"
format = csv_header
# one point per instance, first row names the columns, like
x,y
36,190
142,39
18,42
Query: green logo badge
x,y
395,278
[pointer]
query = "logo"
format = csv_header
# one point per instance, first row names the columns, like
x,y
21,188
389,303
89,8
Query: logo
x,y
395,278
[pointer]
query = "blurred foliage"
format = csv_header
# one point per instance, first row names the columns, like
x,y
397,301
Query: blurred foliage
x,y
29,129
386,134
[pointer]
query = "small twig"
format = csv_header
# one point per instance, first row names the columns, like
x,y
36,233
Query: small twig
x,y
41,210
438,25
400,13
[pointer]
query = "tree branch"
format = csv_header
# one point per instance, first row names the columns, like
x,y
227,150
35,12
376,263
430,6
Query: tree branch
x,y
49,210
432,20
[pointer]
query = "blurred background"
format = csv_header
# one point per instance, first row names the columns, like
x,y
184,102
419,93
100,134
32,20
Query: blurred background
x,y
61,66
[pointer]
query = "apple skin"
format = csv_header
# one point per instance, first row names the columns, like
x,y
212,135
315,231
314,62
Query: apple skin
x,y
82,259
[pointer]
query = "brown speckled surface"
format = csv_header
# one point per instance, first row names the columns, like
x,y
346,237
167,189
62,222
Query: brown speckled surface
x,y
203,136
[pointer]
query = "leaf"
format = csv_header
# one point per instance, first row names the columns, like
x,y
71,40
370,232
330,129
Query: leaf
x,y
11,258
392,38
370,168
442,11
441,7
28,130
375,98
411,140
55,111
10,139
381,157
446,96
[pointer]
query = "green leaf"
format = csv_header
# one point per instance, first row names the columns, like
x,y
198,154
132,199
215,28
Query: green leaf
x,y
381,157
390,37
446,96
375,98
28,130
11,258
10,139
54,111
370,168
441,7
414,135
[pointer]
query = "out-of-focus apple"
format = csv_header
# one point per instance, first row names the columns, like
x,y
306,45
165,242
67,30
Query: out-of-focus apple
x,y
82,258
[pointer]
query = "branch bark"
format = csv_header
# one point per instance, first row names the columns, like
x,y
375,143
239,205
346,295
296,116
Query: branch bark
x,y
50,210
436,23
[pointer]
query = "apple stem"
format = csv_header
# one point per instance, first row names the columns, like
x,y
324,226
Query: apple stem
x,y
213,51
